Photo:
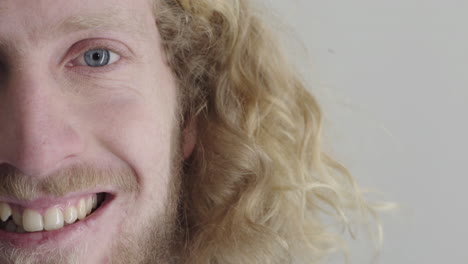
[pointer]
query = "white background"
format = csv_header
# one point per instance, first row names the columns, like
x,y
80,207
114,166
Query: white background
x,y
393,80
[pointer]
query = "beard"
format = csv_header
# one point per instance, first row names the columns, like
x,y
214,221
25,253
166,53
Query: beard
x,y
159,241
156,240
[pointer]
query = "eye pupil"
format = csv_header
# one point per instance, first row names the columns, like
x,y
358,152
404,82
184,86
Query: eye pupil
x,y
97,57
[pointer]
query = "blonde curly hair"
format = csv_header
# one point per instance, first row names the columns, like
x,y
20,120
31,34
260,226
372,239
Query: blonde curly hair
x,y
258,182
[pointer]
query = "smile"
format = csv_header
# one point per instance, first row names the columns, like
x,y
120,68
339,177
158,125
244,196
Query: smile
x,y
22,219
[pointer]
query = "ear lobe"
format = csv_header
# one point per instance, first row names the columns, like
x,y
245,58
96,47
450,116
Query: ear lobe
x,y
189,135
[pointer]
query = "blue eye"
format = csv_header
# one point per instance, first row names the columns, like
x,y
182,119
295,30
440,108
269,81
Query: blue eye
x,y
97,58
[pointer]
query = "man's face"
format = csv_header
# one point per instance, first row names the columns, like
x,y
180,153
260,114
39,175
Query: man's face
x,y
87,107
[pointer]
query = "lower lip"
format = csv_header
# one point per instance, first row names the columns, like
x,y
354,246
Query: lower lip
x,y
59,236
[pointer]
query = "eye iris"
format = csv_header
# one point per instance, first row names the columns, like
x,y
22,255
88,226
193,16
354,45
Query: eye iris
x,y
97,57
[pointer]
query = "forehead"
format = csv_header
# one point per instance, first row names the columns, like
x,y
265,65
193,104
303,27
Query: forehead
x,y
36,16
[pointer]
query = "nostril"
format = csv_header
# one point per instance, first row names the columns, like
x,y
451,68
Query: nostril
x,y
39,130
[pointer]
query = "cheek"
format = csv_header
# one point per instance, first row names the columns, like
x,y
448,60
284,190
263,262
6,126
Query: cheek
x,y
139,135
132,118
134,130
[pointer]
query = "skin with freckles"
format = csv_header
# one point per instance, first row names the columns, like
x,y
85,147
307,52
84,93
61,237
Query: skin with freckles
x,y
57,112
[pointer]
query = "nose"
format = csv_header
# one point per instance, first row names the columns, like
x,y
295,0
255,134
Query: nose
x,y
37,134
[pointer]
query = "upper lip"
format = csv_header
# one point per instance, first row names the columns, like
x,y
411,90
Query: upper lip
x,y
47,201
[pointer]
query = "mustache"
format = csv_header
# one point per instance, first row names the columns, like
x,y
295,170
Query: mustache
x,y
76,178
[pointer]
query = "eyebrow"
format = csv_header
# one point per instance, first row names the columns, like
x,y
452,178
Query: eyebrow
x,y
114,19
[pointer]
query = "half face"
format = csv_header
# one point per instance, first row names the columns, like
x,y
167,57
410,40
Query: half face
x,y
88,134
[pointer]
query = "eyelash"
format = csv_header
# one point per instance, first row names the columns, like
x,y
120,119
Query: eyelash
x,y
79,49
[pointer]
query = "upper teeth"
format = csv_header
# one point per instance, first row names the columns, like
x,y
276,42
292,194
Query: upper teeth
x,y
5,211
54,218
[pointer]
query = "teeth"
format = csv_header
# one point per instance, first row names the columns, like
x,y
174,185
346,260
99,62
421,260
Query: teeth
x,y
17,218
89,204
32,221
81,209
5,211
94,201
70,215
53,219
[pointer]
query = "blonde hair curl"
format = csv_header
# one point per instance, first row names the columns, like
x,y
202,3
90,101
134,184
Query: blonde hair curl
x,y
258,181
